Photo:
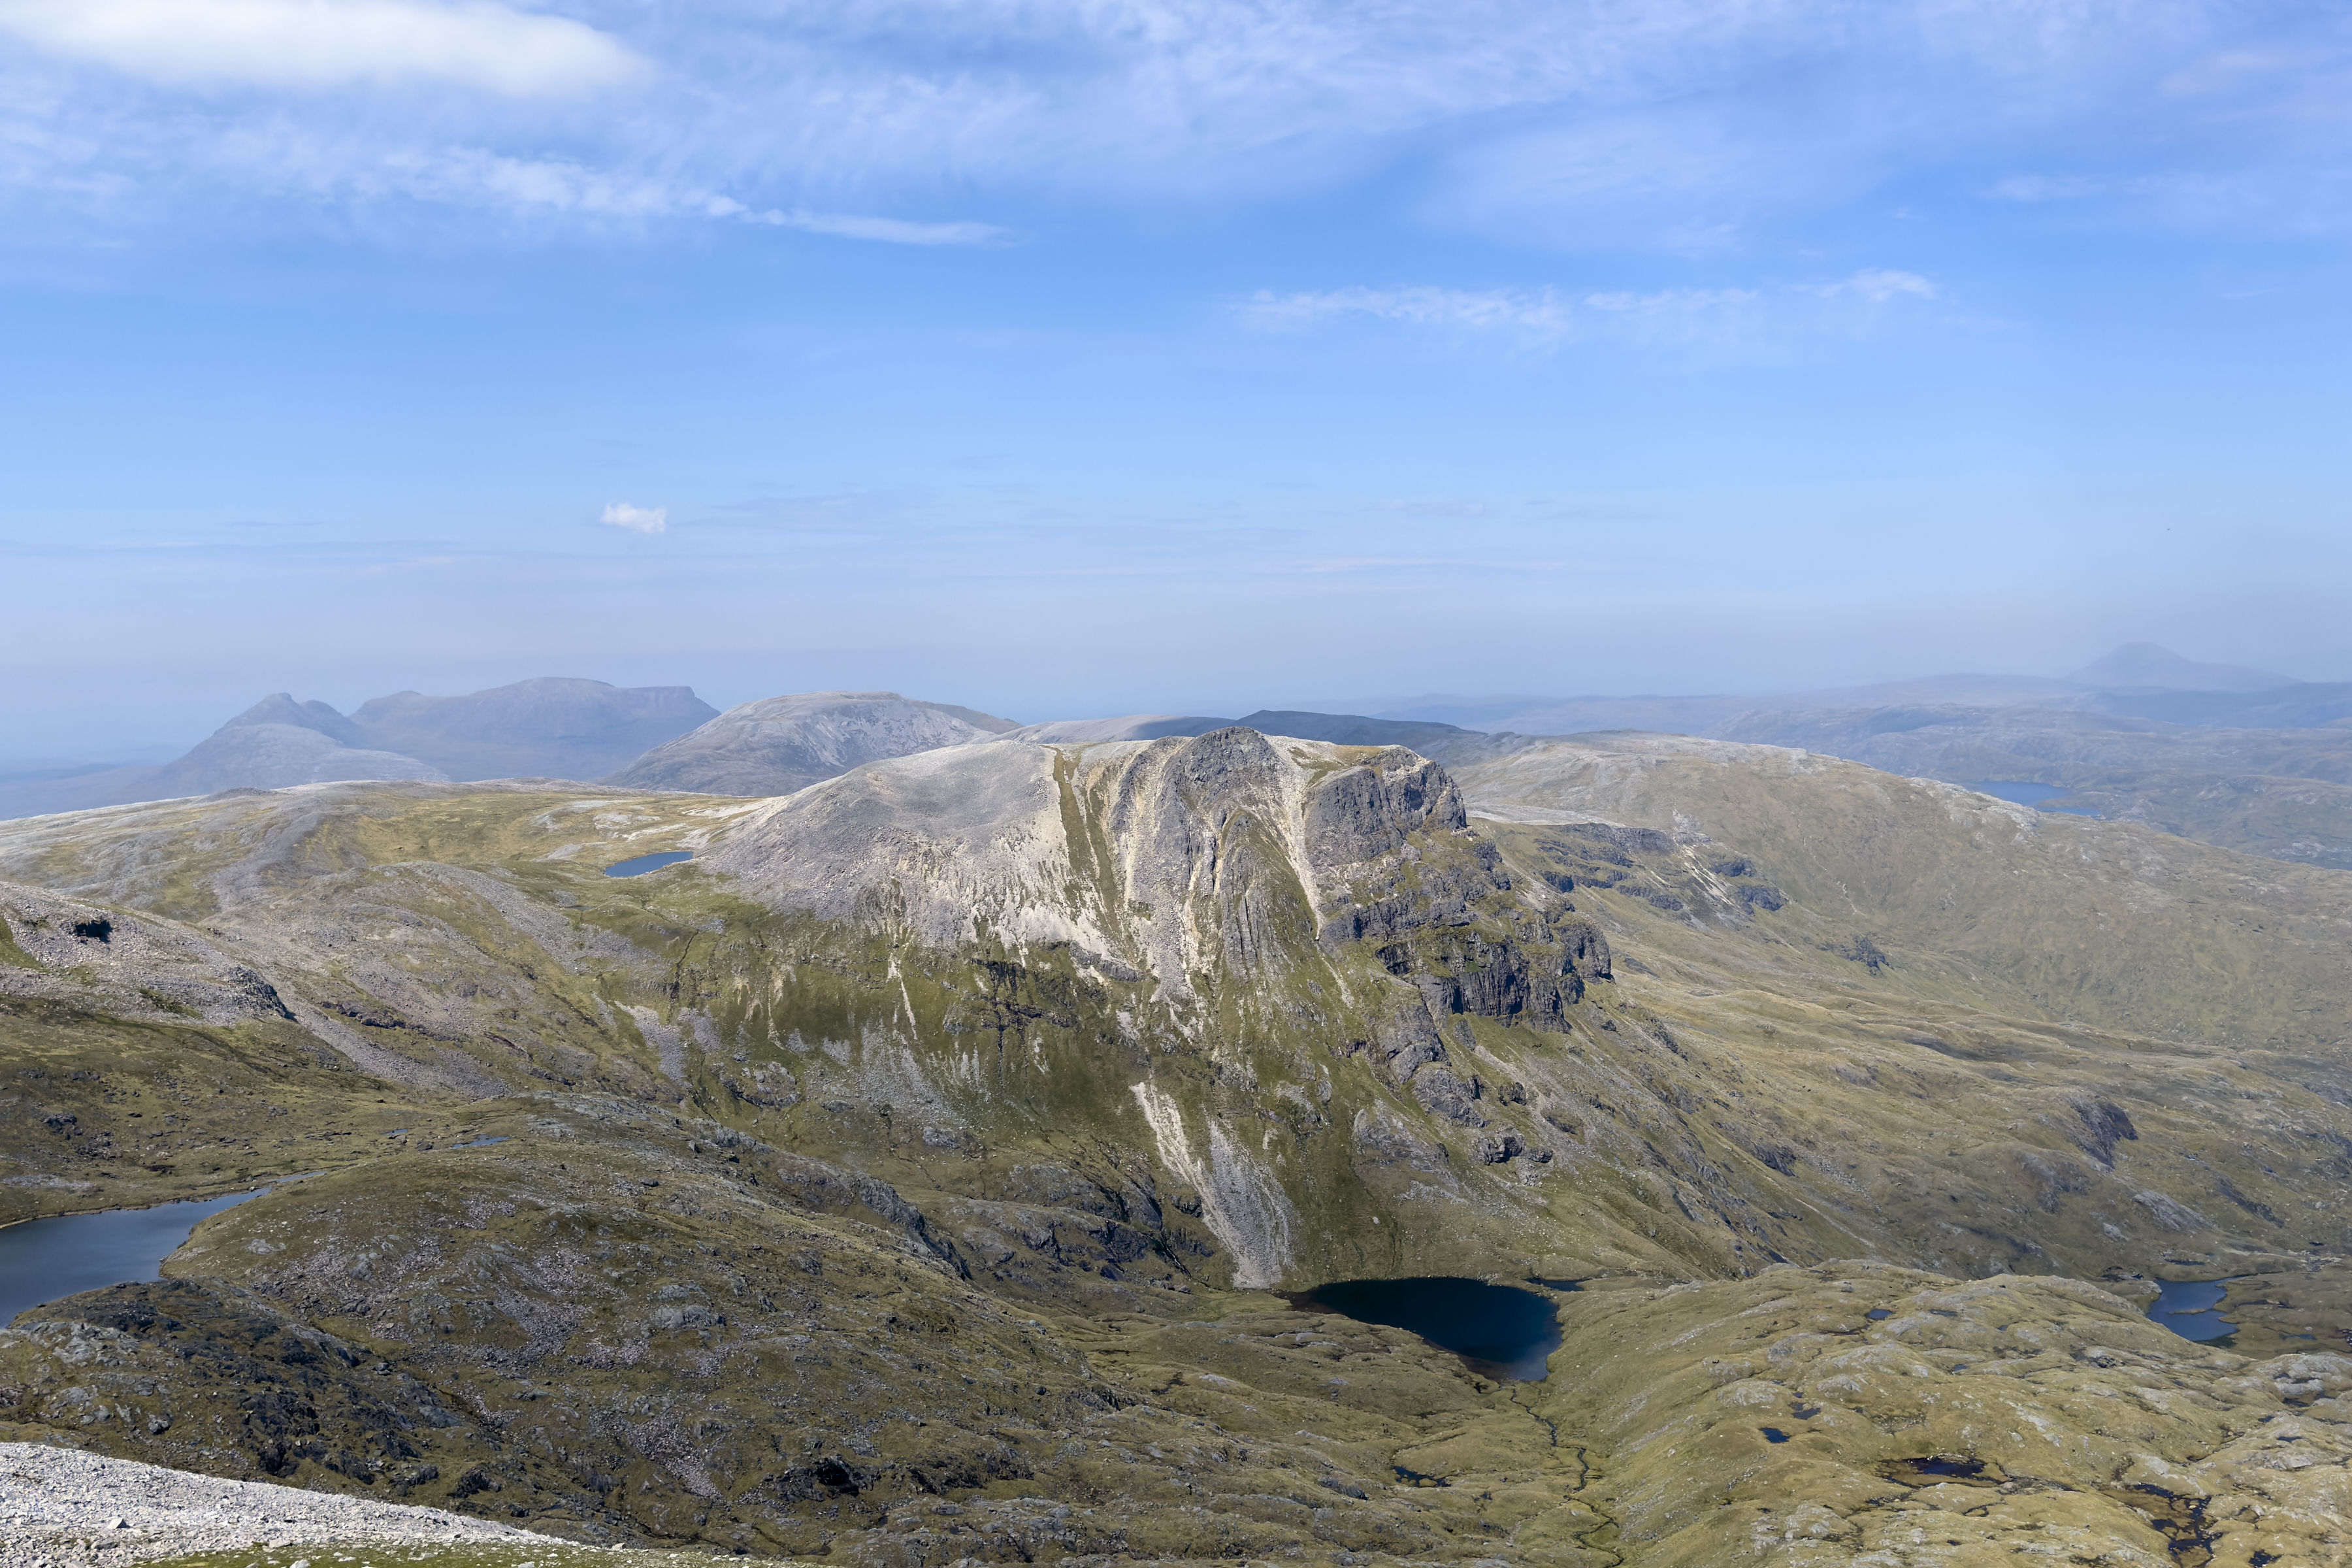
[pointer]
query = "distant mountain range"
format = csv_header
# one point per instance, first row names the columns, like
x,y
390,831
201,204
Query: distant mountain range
x,y
2139,681
2244,758
552,727
1003,1151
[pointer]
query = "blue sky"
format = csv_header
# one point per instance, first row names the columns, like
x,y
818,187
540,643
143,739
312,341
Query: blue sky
x,y
1085,357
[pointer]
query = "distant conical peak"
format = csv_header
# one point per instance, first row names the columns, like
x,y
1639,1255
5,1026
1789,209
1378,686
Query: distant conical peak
x,y
283,708
2147,665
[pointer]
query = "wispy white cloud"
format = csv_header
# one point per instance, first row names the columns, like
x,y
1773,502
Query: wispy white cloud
x,y
1686,127
1672,315
475,176
478,177
851,225
638,519
1877,285
1529,313
1538,317
1333,566
1543,318
315,44
2307,200
2045,188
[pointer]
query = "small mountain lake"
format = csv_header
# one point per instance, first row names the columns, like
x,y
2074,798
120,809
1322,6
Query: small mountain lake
x,y
2193,1308
42,1260
2019,794
1499,1331
644,863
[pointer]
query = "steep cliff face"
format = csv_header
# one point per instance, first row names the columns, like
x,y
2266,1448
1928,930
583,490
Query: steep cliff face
x,y
1205,933
1182,857
930,1116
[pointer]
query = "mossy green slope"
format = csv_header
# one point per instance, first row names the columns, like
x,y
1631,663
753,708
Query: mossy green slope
x,y
1977,901
1096,1035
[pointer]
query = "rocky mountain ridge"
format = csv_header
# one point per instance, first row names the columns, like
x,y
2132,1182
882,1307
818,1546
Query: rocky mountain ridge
x,y
925,1139
2228,755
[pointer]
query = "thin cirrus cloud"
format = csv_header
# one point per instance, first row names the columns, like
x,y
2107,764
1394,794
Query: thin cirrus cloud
x,y
852,226
1681,126
319,44
1538,313
477,177
1546,317
1877,286
636,519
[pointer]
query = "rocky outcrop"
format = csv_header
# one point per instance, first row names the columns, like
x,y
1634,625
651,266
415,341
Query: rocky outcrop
x,y
93,958
1255,904
1169,857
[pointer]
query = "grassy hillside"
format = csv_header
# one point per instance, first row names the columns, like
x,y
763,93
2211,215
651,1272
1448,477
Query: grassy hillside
x,y
910,1147
1975,900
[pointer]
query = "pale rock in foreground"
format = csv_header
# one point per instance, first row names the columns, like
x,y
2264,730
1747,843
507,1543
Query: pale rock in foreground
x,y
70,1510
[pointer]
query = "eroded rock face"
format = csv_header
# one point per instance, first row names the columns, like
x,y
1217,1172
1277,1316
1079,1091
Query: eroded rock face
x,y
1168,849
1175,858
1253,904
1056,1046
87,955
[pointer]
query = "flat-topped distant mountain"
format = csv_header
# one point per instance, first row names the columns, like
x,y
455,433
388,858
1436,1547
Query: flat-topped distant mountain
x,y
548,728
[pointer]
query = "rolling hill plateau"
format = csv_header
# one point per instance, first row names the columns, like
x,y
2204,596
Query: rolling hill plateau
x,y
2242,758
929,1169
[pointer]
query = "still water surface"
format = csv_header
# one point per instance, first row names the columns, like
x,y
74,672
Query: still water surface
x,y
44,1259
2193,1308
1498,1330
644,863
2032,794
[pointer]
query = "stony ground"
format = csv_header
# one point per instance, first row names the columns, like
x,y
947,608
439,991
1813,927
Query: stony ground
x,y
63,1509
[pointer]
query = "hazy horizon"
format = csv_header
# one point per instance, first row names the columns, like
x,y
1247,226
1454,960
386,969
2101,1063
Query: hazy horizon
x,y
159,741
1181,357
